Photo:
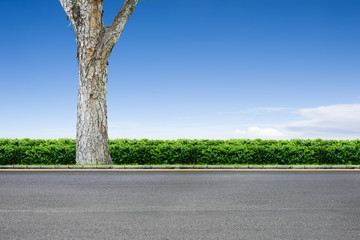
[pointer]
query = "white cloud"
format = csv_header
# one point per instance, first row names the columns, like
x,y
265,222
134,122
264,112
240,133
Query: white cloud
x,y
259,110
271,109
256,132
327,122
334,121
344,112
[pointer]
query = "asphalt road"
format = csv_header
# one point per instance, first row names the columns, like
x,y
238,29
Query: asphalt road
x,y
180,205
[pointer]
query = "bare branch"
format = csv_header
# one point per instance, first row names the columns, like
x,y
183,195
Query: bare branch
x,y
123,15
113,32
72,10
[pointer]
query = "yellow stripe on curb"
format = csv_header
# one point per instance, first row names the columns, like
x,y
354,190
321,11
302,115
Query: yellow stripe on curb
x,y
179,170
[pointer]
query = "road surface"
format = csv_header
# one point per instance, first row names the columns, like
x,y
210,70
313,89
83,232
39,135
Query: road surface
x,y
180,205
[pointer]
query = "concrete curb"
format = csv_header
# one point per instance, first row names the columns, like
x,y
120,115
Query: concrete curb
x,y
164,167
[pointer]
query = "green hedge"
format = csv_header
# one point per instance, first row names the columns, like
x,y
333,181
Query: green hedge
x,y
184,151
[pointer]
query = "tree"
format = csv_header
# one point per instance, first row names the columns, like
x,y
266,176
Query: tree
x,y
94,45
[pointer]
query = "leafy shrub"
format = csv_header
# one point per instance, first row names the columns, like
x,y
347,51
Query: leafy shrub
x,y
185,151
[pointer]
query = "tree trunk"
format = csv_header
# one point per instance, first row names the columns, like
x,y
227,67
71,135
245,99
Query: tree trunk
x,y
92,141
94,45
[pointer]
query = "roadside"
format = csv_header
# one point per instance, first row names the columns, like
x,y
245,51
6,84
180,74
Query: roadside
x,y
181,167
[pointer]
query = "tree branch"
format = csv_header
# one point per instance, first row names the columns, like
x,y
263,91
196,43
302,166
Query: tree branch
x,y
72,10
113,32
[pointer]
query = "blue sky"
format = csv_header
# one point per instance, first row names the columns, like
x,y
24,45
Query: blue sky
x,y
272,69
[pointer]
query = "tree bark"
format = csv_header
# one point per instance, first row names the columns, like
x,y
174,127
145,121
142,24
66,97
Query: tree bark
x,y
94,45
92,142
